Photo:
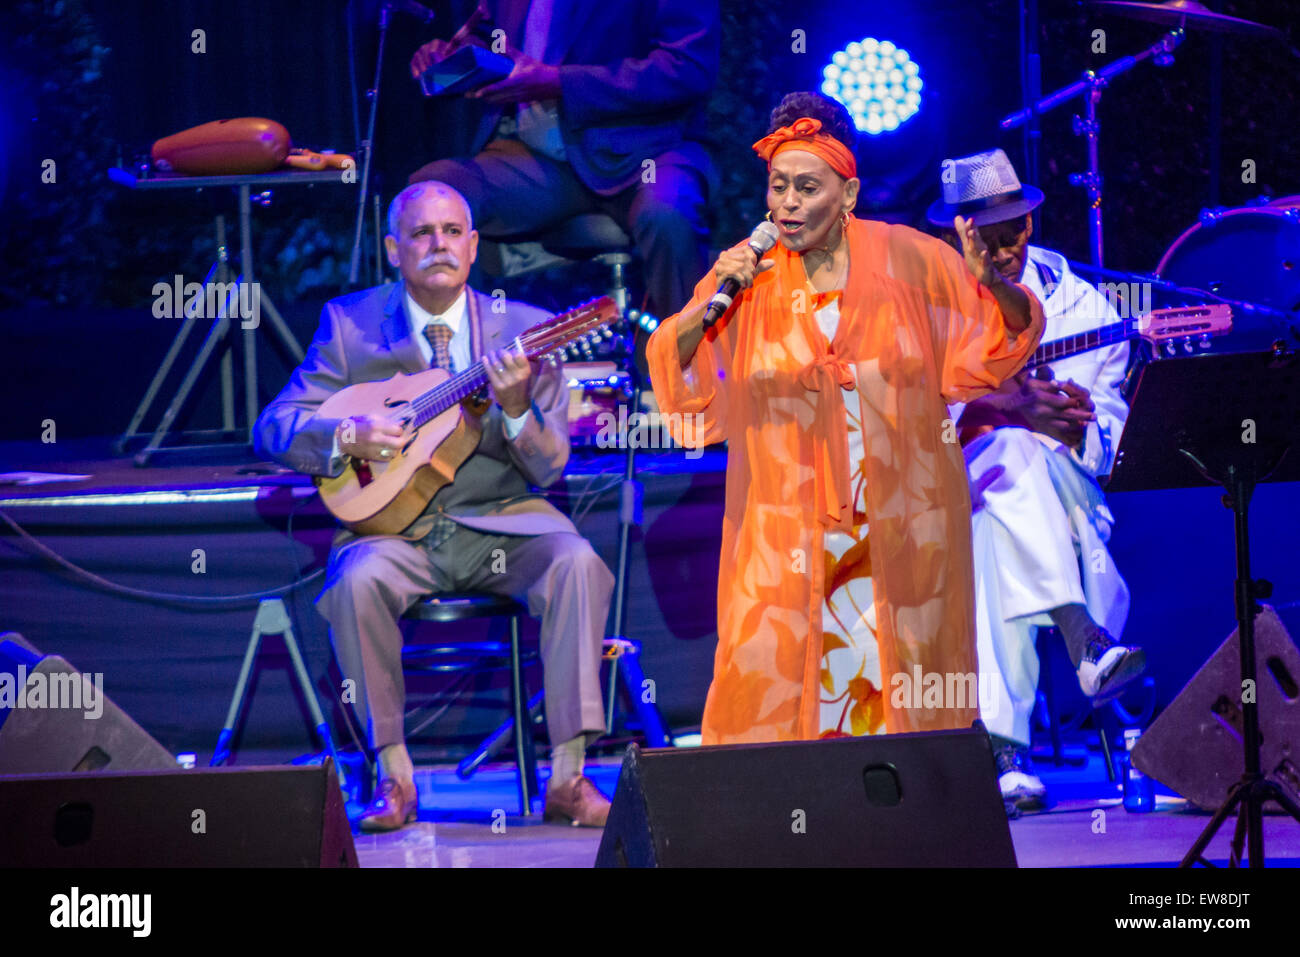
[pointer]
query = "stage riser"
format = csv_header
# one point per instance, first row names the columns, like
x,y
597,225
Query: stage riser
x,y
173,668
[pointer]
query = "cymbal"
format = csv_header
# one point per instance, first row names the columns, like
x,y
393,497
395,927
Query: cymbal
x,y
1187,14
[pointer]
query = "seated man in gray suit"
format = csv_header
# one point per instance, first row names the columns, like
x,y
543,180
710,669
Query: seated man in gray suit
x,y
484,531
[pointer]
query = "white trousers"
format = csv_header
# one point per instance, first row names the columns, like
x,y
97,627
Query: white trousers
x,y
1039,527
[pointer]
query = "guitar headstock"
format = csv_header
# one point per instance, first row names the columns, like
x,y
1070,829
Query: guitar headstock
x,y
584,324
1188,327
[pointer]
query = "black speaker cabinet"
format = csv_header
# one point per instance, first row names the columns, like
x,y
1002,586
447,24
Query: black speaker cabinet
x,y
900,800
215,817
1195,748
53,718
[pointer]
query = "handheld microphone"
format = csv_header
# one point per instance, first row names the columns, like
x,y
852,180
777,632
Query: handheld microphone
x,y
762,239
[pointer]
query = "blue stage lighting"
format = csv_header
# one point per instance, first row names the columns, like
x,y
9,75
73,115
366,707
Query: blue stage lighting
x,y
644,320
879,83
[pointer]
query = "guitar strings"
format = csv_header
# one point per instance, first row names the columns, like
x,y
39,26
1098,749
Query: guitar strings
x,y
437,400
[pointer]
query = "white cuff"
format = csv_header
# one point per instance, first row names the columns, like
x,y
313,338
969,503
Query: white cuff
x,y
1091,455
337,459
515,424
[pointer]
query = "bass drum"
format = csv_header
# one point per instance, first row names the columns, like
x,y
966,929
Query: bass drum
x,y
1250,254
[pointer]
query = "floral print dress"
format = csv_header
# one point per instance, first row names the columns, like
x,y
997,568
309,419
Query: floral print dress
x,y
851,697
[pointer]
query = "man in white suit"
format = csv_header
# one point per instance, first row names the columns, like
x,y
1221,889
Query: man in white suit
x,y
1036,451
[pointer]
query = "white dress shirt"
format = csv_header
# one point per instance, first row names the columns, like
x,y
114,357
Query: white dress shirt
x,y
456,317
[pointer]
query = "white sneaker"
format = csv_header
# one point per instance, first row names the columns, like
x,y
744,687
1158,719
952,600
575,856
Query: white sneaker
x,y
1107,667
1020,787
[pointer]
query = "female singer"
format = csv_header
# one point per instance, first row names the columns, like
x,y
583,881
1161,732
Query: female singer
x,y
828,376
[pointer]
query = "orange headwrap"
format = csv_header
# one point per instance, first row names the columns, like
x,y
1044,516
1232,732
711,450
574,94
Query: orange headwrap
x,y
805,134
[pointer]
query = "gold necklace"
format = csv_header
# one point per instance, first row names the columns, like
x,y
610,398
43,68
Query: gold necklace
x,y
839,278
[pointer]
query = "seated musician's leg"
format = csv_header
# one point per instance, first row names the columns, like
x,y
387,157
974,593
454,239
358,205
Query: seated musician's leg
x,y
666,219
512,190
1024,564
368,586
1036,568
1027,572
566,584
1037,560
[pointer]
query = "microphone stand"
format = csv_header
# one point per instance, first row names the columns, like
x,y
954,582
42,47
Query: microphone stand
x,y
367,148
1089,126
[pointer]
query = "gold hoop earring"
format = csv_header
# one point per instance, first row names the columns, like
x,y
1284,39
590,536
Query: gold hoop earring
x,y
768,215
844,219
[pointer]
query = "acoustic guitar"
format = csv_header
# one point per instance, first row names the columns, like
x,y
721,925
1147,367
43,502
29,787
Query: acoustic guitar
x,y
440,417
1181,328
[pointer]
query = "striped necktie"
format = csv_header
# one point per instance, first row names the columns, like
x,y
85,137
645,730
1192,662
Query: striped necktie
x,y
439,336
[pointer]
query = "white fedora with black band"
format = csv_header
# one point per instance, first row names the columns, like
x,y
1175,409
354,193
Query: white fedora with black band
x,y
983,188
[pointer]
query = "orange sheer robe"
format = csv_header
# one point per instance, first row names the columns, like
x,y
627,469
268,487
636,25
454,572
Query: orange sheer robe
x,y
921,332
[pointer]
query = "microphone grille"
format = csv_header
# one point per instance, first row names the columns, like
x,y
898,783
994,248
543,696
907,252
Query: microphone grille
x,y
764,236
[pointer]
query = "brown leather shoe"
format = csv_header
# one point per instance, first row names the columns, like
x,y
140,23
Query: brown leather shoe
x,y
577,801
392,807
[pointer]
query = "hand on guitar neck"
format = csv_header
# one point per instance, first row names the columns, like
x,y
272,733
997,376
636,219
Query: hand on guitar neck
x,y
510,375
1060,410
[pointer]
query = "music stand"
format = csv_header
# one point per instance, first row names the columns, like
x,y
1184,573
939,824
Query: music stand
x,y
1225,420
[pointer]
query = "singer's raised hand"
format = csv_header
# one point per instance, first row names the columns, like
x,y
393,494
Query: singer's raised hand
x,y
741,264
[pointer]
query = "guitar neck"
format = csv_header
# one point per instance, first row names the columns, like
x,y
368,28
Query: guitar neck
x,y
1083,342
541,341
429,405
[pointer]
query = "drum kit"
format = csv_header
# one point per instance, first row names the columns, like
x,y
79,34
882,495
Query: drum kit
x,y
1246,257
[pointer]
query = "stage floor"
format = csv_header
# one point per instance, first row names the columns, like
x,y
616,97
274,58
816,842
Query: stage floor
x,y
455,826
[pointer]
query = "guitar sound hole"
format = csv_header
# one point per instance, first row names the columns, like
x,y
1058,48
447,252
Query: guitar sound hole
x,y
364,476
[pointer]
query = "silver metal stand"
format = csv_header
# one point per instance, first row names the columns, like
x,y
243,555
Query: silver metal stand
x,y
272,619
220,332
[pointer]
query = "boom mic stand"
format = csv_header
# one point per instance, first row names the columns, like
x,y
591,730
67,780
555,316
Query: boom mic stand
x,y
1092,84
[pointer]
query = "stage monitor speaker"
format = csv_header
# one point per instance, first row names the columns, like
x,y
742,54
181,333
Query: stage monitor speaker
x,y
53,719
214,817
899,800
1194,747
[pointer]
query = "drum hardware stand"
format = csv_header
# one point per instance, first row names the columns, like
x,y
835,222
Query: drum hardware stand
x,y
1207,397
1092,84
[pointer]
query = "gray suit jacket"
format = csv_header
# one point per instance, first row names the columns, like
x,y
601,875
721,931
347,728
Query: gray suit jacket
x,y
366,337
